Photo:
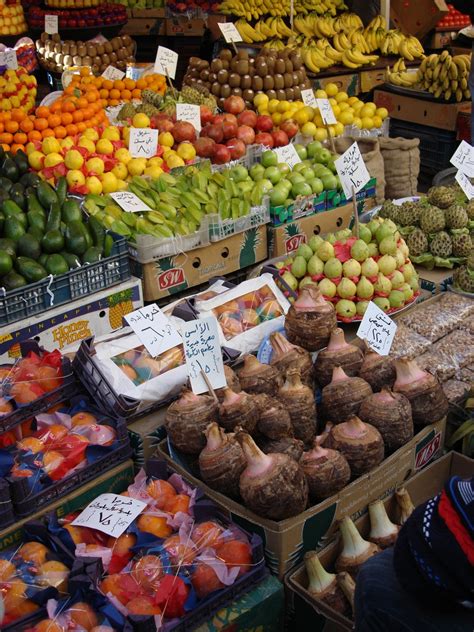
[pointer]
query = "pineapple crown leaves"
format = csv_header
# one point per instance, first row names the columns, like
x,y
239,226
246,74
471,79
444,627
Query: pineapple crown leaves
x,y
119,297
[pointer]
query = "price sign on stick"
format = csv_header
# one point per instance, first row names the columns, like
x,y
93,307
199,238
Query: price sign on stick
x,y
326,111
51,24
308,98
166,62
463,159
203,354
465,184
130,202
10,59
143,142
113,73
378,329
352,170
155,330
189,113
230,32
288,154
110,513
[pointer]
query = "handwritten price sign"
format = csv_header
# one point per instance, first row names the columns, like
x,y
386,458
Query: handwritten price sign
x,y
143,142
110,513
166,62
326,111
230,32
189,113
352,170
51,24
155,331
463,159
465,184
377,329
129,202
113,73
287,154
10,59
203,353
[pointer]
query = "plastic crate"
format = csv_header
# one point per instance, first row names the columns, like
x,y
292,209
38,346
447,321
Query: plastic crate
x,y
48,293
252,156
221,229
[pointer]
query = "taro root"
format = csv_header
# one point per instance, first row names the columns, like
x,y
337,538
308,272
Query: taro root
x,y
310,320
382,530
286,355
377,370
238,409
323,585
347,585
360,443
390,413
232,382
293,448
298,399
272,485
222,461
327,471
423,390
342,397
187,419
255,377
337,353
405,505
355,550
274,420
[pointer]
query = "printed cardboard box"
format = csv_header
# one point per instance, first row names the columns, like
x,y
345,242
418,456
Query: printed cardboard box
x,y
145,434
435,281
287,540
417,17
302,207
347,83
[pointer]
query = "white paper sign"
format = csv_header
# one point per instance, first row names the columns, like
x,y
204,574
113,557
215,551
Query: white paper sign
x,y
113,73
11,60
110,513
51,24
166,62
190,113
352,170
202,350
230,32
465,184
129,202
143,142
463,159
287,154
378,329
308,98
326,111
154,329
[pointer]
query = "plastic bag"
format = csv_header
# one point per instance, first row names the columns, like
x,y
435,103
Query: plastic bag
x,y
407,343
455,391
433,320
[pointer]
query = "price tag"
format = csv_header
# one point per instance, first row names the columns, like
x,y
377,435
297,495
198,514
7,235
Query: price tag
x,y
287,154
166,62
378,329
326,111
51,24
110,513
463,159
352,170
465,184
230,32
202,350
129,202
11,60
308,98
190,113
143,142
155,330
112,73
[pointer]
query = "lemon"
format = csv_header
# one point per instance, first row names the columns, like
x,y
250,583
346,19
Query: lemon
x,y
174,161
120,171
35,160
338,129
337,110
94,185
287,115
154,171
344,105
301,116
382,112
121,185
109,182
86,142
331,89
332,130
263,111
318,120
104,146
73,159
141,120
260,99
377,121
309,129
75,178
155,161
136,166
91,134
333,102
321,134
126,135
283,106
367,110
123,155
367,122
53,159
357,107
166,139
341,96
352,100
357,122
186,151
111,133
346,118
273,105
50,145
276,118
95,165
321,94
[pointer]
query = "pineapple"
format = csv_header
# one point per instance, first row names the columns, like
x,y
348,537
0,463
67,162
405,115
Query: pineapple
x,y
119,304
432,220
441,245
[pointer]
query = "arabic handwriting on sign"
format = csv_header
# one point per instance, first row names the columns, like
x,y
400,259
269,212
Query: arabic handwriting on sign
x,y
463,159
203,354
465,184
190,113
129,202
326,111
110,513
143,142
166,62
308,98
352,171
113,73
51,24
154,330
378,329
230,32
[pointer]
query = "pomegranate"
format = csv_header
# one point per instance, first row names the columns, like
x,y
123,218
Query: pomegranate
x,y
246,134
206,115
247,117
234,105
264,139
182,130
264,123
231,118
204,147
290,127
229,129
221,154
215,132
237,148
280,138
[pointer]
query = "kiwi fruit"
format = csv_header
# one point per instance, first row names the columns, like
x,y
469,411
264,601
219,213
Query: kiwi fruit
x,y
204,74
268,83
203,64
222,77
246,82
257,83
216,89
288,65
216,65
280,66
225,54
296,60
243,67
234,80
278,81
271,94
236,92
242,54
288,79
248,95
261,69
281,95
290,94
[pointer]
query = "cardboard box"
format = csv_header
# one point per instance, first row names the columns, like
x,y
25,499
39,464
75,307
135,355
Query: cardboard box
x,y
113,481
435,281
421,487
302,207
365,198
145,25
287,238
66,326
348,83
181,25
170,275
145,434
442,39
417,17
420,111
148,13
287,540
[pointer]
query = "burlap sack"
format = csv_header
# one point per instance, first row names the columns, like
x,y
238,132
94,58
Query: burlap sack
x,y
370,150
401,157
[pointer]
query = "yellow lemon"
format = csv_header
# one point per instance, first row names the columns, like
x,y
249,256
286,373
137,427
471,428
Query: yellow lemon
x,y
344,105
136,166
263,111
186,151
94,185
357,107
337,110
318,120
73,159
321,94
155,161
338,129
367,122
321,134
357,122
276,118
367,110
75,178
109,182
273,105
87,143
309,129
382,112
261,99
104,146
121,185
53,159
141,120
154,171
352,100
120,171
91,134
175,161
341,96
166,139
50,145
126,135
35,160
346,117
331,89
377,121
123,155
111,133
95,165
283,106
287,115
301,116
333,102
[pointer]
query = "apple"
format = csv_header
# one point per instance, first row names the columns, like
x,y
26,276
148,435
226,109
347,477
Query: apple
x,y
237,148
247,117
264,139
264,123
214,131
221,154
246,134
229,129
234,104
204,147
290,127
280,138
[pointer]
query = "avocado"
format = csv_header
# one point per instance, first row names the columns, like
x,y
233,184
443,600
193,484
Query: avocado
x,y
5,184
42,259
28,246
13,229
76,241
10,169
36,220
56,265
61,189
36,232
17,194
13,281
30,179
6,263
21,161
34,205
73,261
92,255
71,211
46,194
54,217
9,246
30,269
52,242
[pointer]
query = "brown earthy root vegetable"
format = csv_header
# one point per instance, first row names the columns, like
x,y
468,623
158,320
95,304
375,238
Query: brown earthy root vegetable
x,y
255,377
337,353
390,413
405,505
222,461
327,471
347,585
232,382
342,397
424,392
298,399
377,370
187,419
355,550
360,443
383,532
323,585
286,355
310,320
238,409
274,420
272,485
293,448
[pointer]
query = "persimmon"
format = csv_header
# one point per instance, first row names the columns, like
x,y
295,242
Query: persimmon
x,y
83,615
83,418
235,553
143,605
48,625
48,378
179,552
161,491
155,525
205,580
53,573
207,534
7,570
123,587
179,503
35,552
148,571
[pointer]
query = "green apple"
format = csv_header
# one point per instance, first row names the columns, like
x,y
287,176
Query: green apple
x,y
283,167
239,173
316,185
312,147
329,182
269,158
301,151
273,174
256,172
278,196
301,188
308,174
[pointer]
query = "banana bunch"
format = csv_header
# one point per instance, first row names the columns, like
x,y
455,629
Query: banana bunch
x,y
276,44
270,28
396,43
445,76
316,59
248,33
399,76
254,9
347,22
322,7
313,25
375,33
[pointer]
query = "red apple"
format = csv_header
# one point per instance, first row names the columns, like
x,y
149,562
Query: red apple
x,y
247,117
264,139
246,133
280,138
215,132
204,147
221,154
206,115
234,104
229,129
264,123
230,117
290,127
237,148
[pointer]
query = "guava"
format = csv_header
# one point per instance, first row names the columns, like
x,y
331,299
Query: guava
x,y
346,309
383,303
327,288
314,242
388,246
290,280
397,279
298,267
333,268
351,268
387,264
361,307
396,298
325,251
305,251
383,285
369,267
346,288
359,250
365,289
315,265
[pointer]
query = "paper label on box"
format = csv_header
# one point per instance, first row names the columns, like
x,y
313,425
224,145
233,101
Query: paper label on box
x,y
129,202
230,32
378,329
352,170
113,73
326,111
465,184
308,98
10,59
110,513
463,159
51,24
166,62
287,154
202,350
189,113
143,142
154,330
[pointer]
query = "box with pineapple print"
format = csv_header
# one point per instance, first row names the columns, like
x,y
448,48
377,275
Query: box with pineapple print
x,y
66,326
301,207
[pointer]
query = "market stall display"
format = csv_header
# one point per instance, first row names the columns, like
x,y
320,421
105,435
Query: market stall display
x,y
12,18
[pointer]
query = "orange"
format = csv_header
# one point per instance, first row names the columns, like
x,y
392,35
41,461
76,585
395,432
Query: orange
x,y
55,107
41,124
129,84
18,115
113,102
27,125
104,103
84,71
42,112
60,131
126,95
71,129
88,113
68,106
5,146
81,127
70,89
34,135
11,126
82,102
155,525
78,116
66,118
107,84
47,132
54,120
15,147
92,95
141,84
119,84
114,94
2,128
6,138
136,94
104,93
21,138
